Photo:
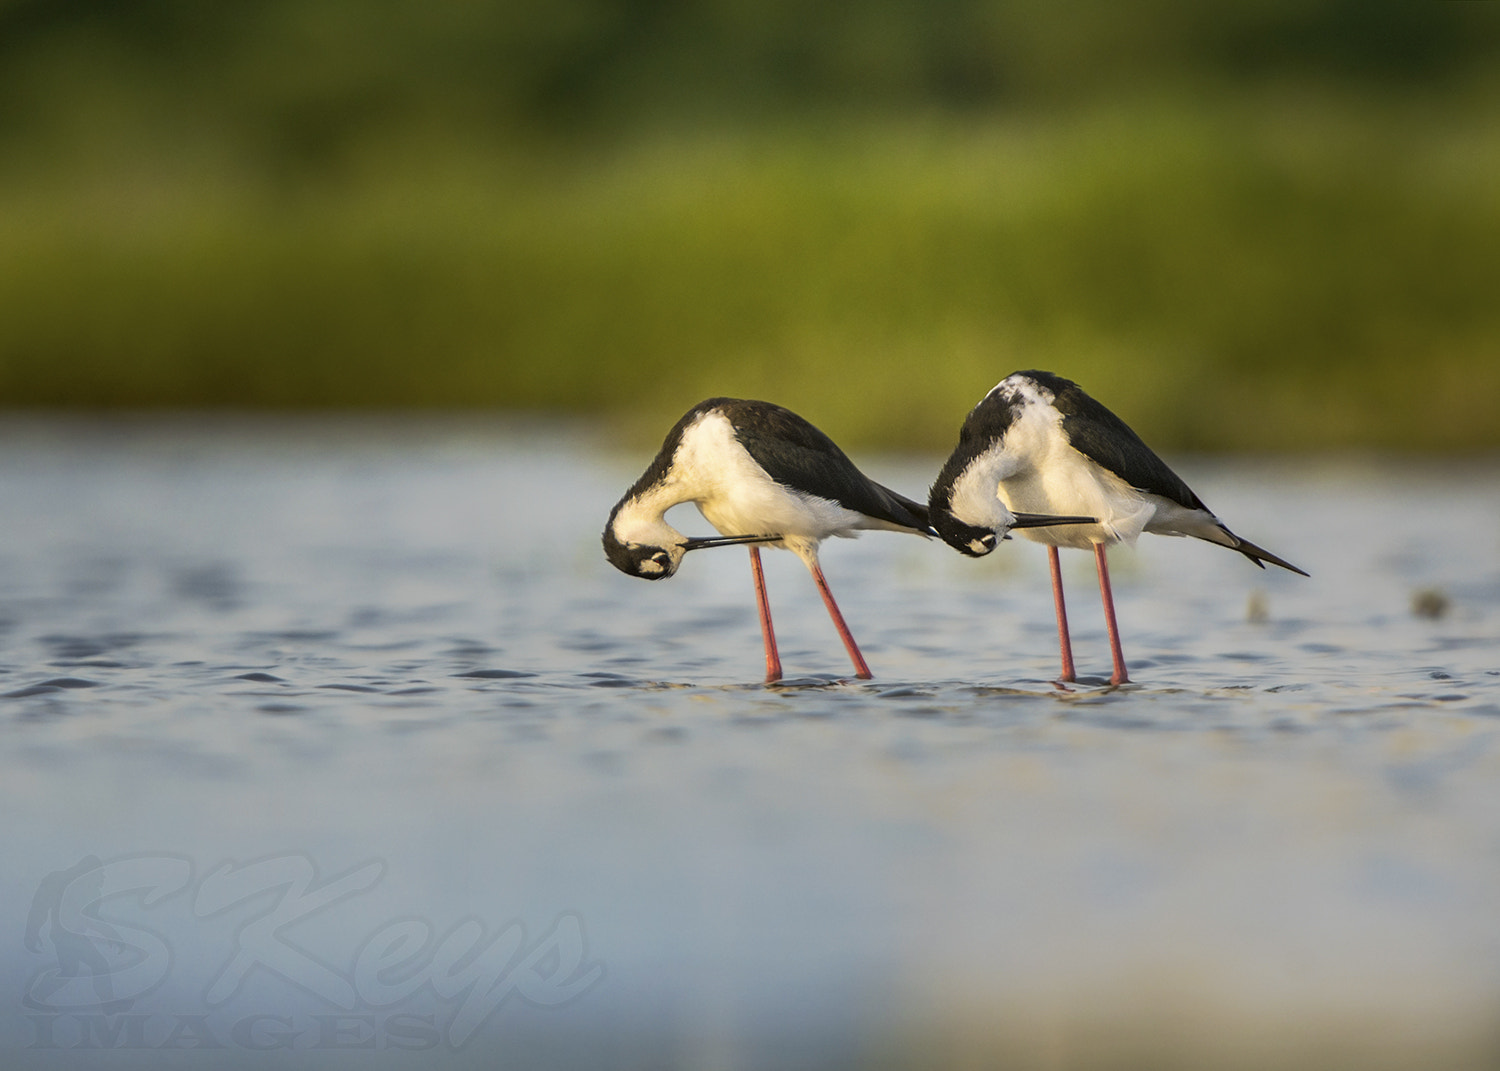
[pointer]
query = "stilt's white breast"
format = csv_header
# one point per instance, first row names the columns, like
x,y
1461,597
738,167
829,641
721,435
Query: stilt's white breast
x,y
975,500
1044,473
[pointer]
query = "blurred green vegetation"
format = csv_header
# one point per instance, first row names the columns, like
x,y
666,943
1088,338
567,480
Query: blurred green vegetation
x,y
1254,225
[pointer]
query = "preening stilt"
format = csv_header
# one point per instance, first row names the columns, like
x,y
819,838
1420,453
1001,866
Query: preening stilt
x,y
1038,442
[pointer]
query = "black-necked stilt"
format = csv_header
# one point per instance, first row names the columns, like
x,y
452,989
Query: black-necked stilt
x,y
1038,442
760,474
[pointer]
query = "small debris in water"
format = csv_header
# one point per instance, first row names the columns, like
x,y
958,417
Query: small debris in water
x,y
1430,603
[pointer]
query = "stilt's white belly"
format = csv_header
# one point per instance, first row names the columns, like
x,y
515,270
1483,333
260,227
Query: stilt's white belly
x,y
1070,483
755,510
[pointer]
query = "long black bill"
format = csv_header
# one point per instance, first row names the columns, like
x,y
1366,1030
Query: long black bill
x,y
698,543
1044,520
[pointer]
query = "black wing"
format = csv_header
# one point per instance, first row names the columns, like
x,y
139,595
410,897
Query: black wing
x,y
800,457
1105,439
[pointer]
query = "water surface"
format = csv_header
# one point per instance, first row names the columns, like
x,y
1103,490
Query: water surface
x,y
556,820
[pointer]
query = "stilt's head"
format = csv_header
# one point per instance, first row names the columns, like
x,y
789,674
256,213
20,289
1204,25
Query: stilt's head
x,y
643,559
973,540
640,544
963,506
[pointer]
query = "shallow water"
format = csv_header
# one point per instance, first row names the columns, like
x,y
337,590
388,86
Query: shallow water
x,y
349,735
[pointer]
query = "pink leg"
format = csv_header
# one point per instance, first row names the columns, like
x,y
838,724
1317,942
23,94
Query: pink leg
x,y
1119,676
861,670
1064,641
773,660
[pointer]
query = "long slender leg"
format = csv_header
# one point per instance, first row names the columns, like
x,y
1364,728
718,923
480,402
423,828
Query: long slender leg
x,y
1119,676
1064,640
861,670
773,660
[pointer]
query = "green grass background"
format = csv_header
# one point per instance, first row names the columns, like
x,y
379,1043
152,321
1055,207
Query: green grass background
x,y
340,205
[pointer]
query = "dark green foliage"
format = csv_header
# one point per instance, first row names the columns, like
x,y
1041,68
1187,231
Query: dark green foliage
x,y
1236,224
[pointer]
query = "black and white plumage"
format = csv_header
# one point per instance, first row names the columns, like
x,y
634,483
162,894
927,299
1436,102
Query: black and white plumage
x,y
759,474
762,474
1038,442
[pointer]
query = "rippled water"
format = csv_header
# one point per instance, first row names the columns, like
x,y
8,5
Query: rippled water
x,y
351,737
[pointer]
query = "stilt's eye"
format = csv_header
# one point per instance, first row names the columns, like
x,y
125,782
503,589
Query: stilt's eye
x,y
655,565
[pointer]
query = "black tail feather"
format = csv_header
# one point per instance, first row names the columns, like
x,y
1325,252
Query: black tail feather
x,y
1260,556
